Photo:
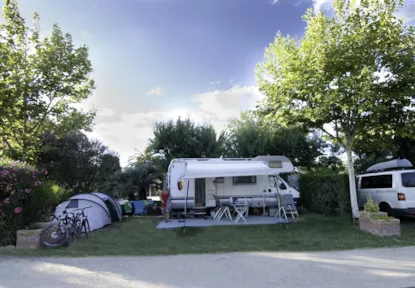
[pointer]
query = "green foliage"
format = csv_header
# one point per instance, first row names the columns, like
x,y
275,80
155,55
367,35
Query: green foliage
x,y
51,194
137,178
371,206
40,80
333,75
325,192
183,139
353,72
251,136
370,153
77,163
21,201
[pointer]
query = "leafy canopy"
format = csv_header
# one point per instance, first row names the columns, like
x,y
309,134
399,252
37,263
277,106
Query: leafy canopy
x,y
40,80
355,71
251,136
78,163
185,139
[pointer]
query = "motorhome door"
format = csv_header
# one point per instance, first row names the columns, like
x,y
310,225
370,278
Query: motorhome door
x,y
200,193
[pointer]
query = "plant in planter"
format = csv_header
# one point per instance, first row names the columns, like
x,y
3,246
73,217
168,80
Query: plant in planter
x,y
376,222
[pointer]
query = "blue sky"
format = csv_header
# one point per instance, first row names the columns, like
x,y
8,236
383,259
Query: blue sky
x,y
160,59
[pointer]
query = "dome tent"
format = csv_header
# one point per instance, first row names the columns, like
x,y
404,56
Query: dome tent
x,y
98,215
112,205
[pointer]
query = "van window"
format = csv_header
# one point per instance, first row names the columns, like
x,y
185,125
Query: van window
x,y
244,180
408,179
376,182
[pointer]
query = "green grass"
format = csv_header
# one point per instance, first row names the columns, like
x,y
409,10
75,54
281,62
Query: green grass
x,y
138,236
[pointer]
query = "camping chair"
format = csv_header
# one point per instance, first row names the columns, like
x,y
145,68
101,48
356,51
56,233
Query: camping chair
x,y
221,210
218,206
281,207
289,205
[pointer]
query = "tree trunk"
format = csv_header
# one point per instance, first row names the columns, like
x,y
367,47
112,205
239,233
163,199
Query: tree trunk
x,y
142,194
352,184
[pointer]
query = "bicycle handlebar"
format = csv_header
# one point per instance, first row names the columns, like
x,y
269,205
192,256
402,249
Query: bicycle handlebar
x,y
86,207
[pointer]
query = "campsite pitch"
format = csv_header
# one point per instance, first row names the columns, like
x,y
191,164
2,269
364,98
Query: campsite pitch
x,y
139,236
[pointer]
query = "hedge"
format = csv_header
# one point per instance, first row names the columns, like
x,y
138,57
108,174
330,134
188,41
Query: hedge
x,y
326,192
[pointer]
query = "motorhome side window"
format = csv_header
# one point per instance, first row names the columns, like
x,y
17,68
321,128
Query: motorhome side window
x,y
408,179
244,180
219,180
376,182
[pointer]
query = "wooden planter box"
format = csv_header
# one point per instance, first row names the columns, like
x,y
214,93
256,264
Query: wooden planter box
x,y
379,227
28,238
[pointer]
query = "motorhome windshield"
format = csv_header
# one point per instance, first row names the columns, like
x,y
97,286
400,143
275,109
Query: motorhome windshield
x,y
408,179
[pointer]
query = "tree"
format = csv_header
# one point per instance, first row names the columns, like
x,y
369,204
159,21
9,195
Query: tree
x,y
40,80
76,162
184,139
137,178
371,153
250,136
354,73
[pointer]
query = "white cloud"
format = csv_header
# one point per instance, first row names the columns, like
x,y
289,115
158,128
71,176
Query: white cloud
x,y
156,91
105,112
273,1
131,132
320,5
214,82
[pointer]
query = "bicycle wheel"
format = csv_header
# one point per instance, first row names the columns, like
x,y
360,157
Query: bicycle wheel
x,y
54,235
86,227
73,231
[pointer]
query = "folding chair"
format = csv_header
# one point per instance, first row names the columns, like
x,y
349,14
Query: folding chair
x,y
289,205
221,210
281,207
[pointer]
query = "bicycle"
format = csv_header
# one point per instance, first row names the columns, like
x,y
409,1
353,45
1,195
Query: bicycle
x,y
82,222
67,229
58,233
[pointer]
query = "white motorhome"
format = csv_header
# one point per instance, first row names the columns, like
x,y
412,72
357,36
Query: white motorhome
x,y
193,183
391,184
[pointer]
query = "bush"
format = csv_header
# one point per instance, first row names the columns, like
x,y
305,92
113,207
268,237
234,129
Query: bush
x,y
371,206
326,192
51,194
20,201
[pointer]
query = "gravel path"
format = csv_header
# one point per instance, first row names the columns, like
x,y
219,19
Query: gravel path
x,y
394,267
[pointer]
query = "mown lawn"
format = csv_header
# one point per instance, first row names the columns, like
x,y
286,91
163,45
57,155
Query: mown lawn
x,y
138,236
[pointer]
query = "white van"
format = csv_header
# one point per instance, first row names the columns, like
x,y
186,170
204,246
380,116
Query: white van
x,y
391,184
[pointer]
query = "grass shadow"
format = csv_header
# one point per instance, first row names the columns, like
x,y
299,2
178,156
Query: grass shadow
x,y
188,232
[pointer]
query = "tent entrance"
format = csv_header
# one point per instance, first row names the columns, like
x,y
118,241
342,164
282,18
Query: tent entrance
x,y
112,209
200,193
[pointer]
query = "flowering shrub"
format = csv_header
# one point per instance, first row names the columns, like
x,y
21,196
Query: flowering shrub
x,y
20,188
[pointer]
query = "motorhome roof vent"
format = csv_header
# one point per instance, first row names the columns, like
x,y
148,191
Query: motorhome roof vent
x,y
397,164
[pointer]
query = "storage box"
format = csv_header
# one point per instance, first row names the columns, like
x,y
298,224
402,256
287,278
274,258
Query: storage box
x,y
28,239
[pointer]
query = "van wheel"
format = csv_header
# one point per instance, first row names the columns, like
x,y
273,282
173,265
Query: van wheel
x,y
384,207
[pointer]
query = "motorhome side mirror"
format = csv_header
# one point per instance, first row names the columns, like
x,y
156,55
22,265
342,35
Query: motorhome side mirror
x,y
282,186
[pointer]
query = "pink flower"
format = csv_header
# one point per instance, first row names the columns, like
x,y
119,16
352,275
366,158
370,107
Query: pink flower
x,y
46,172
17,210
27,190
5,172
6,200
12,192
9,187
